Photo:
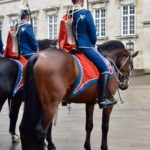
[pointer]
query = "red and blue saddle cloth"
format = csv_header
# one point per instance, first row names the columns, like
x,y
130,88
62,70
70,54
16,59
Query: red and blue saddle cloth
x,y
88,73
19,80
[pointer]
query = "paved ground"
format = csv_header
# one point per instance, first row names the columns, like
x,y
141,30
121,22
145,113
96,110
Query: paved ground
x,y
129,124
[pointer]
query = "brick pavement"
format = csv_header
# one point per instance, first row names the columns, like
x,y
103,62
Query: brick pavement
x,y
129,124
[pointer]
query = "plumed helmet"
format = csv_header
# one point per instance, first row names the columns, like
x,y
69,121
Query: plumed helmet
x,y
24,13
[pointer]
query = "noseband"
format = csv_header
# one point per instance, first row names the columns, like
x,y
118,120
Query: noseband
x,y
125,77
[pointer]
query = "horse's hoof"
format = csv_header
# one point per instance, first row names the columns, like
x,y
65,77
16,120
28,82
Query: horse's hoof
x,y
15,138
87,147
52,147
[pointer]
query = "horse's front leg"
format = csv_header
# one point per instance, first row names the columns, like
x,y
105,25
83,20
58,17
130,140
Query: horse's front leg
x,y
2,101
14,106
105,126
51,145
89,125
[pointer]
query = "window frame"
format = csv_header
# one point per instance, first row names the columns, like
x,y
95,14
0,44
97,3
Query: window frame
x,y
35,25
54,26
1,23
127,31
101,31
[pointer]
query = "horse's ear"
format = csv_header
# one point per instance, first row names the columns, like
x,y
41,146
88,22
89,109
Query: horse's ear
x,y
135,54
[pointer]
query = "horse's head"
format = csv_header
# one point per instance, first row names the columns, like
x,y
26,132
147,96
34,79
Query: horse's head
x,y
121,59
124,65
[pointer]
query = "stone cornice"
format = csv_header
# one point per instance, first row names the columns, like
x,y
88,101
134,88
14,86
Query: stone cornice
x,y
127,36
56,7
98,1
146,22
8,1
12,14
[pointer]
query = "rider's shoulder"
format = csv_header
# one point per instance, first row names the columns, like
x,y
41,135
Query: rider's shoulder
x,y
24,24
85,11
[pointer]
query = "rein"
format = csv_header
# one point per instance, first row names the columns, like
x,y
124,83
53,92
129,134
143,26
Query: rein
x,y
118,69
124,63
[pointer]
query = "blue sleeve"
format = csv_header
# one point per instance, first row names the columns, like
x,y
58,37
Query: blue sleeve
x,y
31,37
1,43
91,28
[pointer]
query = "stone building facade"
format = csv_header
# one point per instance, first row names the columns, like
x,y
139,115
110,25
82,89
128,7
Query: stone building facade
x,y
125,20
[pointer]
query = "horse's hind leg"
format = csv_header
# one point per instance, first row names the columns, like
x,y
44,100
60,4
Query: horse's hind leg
x,y
13,115
51,145
89,125
48,112
105,126
49,100
2,101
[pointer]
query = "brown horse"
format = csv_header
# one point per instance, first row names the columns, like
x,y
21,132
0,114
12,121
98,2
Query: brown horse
x,y
49,79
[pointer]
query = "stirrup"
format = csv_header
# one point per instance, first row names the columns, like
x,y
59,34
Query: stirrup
x,y
106,102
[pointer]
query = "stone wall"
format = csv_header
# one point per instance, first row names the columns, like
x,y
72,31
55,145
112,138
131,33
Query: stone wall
x,y
41,9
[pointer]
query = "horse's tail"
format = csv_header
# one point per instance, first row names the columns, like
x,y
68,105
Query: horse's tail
x,y
32,110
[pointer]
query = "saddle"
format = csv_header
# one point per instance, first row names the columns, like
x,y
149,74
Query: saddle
x,y
19,80
88,72
18,86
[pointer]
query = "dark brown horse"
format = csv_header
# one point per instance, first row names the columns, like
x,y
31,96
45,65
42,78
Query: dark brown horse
x,y
8,75
49,79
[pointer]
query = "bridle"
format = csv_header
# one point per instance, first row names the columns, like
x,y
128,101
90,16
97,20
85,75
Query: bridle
x,y
119,73
123,84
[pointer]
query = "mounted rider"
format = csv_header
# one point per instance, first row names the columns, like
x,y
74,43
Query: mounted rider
x,y
27,43
84,32
21,41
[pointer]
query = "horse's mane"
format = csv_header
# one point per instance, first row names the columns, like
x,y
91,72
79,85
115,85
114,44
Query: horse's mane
x,y
46,43
106,46
112,44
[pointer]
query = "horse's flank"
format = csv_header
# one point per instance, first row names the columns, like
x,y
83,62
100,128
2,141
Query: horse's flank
x,y
60,74
55,66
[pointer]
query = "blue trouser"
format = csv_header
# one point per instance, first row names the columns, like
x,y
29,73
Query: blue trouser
x,y
96,58
27,56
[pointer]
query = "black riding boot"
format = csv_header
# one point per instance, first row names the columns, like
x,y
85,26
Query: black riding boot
x,y
102,100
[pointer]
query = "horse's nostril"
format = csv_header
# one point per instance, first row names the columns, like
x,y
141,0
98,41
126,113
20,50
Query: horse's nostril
x,y
123,85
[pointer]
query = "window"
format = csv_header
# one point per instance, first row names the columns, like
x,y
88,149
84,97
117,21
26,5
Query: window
x,y
34,24
100,22
52,27
1,23
128,19
13,22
